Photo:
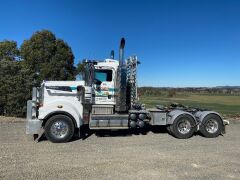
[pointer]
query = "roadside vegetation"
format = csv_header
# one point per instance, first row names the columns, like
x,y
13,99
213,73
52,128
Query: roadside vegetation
x,y
226,104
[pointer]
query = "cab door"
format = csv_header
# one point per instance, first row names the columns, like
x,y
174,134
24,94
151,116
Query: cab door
x,y
104,89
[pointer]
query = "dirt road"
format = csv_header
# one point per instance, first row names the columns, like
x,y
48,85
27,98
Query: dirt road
x,y
119,155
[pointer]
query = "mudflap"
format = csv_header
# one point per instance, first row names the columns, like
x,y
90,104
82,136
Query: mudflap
x,y
225,123
37,137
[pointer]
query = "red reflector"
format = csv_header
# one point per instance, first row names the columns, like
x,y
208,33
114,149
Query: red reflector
x,y
86,118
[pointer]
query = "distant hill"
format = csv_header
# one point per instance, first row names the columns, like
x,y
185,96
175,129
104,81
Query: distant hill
x,y
228,87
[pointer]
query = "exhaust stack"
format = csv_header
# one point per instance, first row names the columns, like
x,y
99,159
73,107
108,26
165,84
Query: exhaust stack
x,y
121,81
121,52
112,54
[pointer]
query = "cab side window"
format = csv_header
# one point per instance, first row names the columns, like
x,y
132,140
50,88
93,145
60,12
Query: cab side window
x,y
102,75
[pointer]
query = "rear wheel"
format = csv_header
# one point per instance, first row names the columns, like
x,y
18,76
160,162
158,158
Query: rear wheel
x,y
211,126
169,129
59,129
183,127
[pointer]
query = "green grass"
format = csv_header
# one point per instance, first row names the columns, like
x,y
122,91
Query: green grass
x,y
227,105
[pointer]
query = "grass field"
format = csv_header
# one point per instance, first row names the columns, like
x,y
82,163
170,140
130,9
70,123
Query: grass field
x,y
228,106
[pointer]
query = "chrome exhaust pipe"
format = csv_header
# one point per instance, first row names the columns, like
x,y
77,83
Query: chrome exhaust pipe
x,y
112,54
121,105
121,52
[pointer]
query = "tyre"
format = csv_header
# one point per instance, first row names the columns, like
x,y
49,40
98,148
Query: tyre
x,y
59,129
211,126
183,127
169,129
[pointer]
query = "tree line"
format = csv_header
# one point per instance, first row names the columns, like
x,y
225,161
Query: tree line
x,y
41,57
171,92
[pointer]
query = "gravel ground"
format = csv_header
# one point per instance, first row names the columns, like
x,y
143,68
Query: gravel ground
x,y
119,155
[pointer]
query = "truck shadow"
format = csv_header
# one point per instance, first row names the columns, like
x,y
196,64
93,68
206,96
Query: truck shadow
x,y
86,132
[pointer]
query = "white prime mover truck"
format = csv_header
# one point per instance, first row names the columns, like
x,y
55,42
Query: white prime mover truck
x,y
107,98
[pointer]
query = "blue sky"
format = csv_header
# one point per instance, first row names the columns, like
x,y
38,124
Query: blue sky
x,y
179,42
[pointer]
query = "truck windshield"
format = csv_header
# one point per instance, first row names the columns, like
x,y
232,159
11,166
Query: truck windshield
x,y
103,75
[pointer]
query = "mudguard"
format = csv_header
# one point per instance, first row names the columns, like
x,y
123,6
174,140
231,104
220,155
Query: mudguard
x,y
200,115
175,113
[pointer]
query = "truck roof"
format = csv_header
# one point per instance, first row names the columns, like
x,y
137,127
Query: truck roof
x,y
108,63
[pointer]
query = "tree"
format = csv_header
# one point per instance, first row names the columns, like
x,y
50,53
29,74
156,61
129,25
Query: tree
x,y
15,88
12,88
79,70
42,53
52,58
171,93
8,53
8,50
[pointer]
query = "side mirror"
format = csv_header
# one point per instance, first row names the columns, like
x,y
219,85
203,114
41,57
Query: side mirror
x,y
97,82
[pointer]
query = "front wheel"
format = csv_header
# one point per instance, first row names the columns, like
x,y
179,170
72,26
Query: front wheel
x,y
183,127
59,129
211,126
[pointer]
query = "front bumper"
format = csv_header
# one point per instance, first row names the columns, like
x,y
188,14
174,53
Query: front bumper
x,y
33,124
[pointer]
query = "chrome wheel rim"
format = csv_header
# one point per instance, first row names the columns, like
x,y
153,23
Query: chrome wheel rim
x,y
212,126
184,126
59,129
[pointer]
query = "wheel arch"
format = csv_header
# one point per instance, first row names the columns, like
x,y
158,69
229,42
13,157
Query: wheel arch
x,y
47,117
72,109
